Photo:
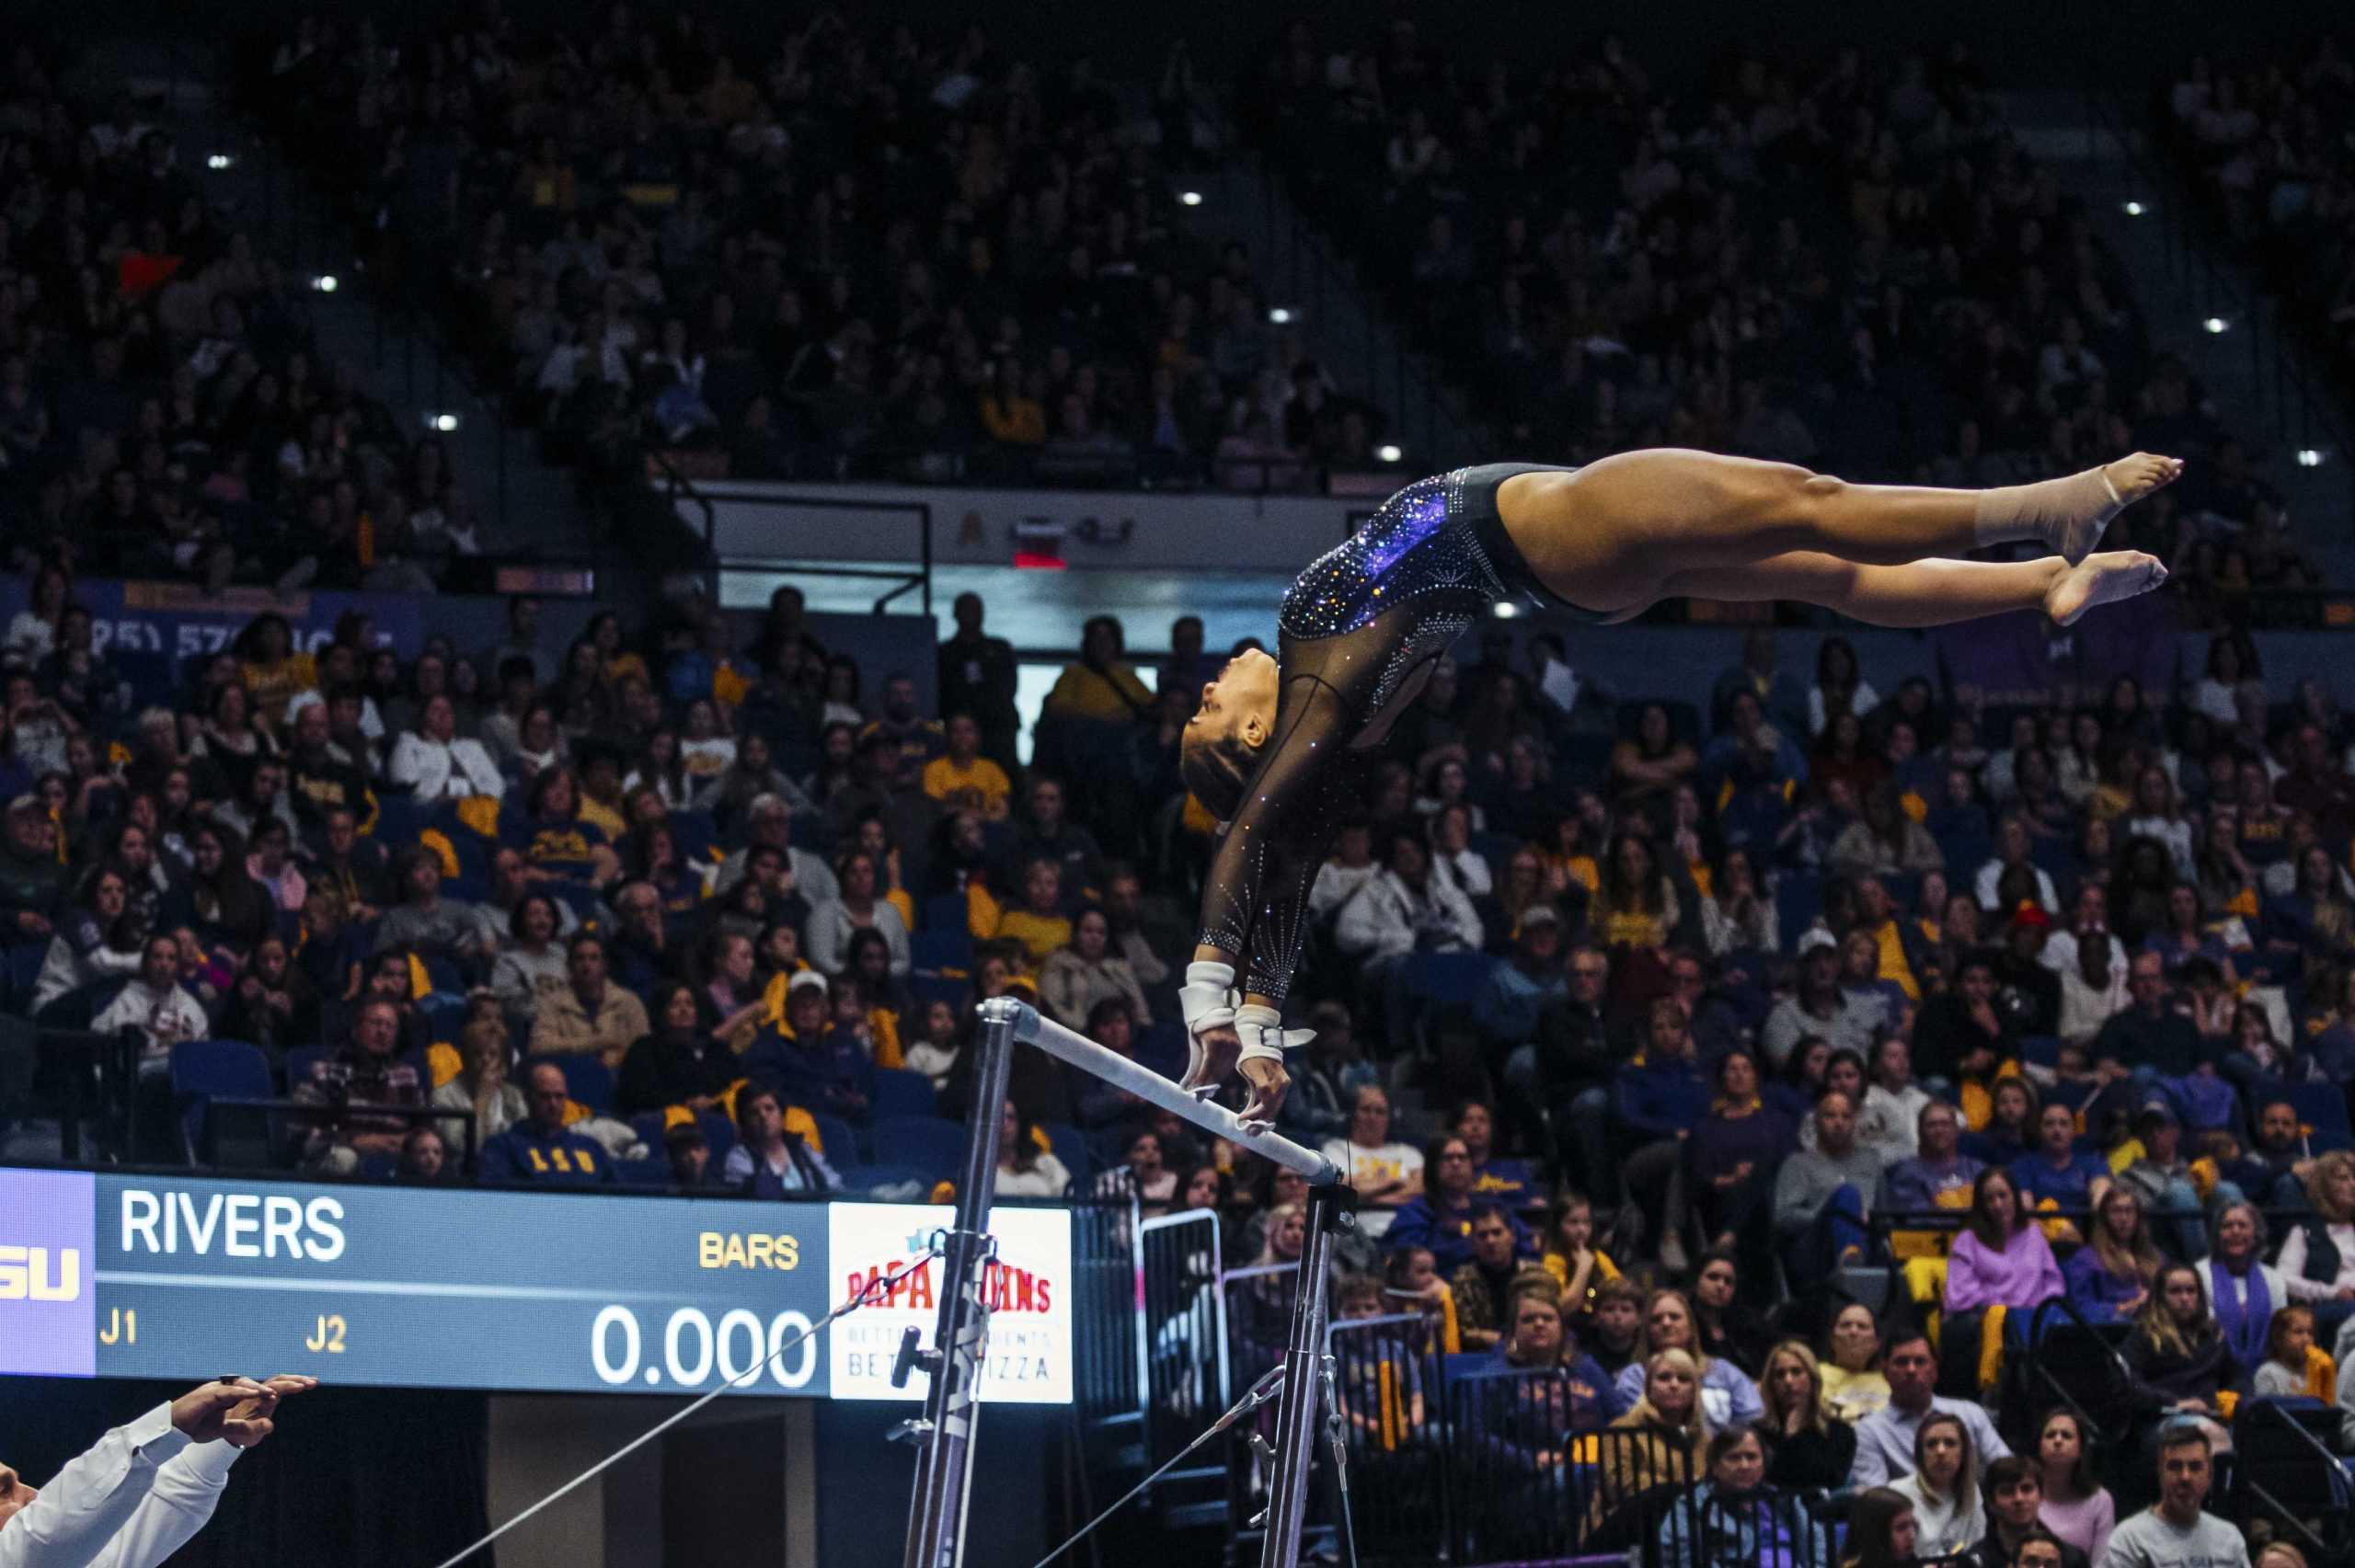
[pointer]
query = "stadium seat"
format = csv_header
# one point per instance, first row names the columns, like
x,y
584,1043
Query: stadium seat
x,y
23,973
586,1078
718,1135
2322,1107
899,1092
1445,979
931,1144
650,1171
1798,899
929,989
379,1167
938,949
836,1140
202,1070
946,912
1070,1148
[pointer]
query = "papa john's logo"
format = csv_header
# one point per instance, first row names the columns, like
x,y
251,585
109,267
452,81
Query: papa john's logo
x,y
29,1274
48,1298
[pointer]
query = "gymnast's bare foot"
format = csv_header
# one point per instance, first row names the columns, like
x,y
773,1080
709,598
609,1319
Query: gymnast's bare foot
x,y
2102,579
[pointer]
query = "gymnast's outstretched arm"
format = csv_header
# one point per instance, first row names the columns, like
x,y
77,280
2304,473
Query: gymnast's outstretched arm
x,y
1255,902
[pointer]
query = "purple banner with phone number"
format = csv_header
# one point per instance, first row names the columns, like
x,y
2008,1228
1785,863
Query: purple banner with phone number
x,y
182,621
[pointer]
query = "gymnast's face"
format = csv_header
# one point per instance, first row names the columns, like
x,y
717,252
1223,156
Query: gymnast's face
x,y
1240,705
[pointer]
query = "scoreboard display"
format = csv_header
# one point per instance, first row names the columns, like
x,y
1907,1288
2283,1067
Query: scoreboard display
x,y
144,1277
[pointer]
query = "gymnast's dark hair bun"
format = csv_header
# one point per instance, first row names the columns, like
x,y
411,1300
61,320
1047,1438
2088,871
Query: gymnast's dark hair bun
x,y
1215,772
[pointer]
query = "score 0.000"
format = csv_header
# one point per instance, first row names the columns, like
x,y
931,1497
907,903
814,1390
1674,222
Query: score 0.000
x,y
691,1345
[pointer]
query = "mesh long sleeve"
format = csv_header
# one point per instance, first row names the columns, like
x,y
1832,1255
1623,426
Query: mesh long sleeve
x,y
1256,903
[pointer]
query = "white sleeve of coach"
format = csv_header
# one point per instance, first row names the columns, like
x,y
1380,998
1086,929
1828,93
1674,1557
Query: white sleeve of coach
x,y
77,1516
186,1490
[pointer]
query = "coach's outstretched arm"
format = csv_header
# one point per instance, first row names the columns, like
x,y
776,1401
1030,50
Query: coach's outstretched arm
x,y
145,1488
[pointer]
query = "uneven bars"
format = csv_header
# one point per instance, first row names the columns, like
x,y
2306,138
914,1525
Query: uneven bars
x,y
1085,1054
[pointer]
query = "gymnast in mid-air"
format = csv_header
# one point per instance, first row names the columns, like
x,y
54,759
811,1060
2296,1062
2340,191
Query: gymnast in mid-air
x,y
1282,748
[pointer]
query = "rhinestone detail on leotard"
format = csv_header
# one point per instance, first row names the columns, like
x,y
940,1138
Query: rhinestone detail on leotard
x,y
1407,551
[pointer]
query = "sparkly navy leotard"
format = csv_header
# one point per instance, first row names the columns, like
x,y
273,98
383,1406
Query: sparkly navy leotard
x,y
1356,628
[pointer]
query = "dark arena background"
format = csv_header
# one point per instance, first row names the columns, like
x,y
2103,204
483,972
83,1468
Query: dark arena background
x,y
608,619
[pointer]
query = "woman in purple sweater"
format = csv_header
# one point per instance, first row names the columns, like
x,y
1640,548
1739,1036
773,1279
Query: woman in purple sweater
x,y
1735,1153
2109,1277
2000,1259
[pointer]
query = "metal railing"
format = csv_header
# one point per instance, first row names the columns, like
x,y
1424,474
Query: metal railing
x,y
1182,1364
904,580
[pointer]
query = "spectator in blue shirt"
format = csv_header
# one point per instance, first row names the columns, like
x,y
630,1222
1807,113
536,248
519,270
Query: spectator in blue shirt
x,y
1662,1097
2053,1171
808,1062
539,1148
1494,1178
1514,993
1440,1218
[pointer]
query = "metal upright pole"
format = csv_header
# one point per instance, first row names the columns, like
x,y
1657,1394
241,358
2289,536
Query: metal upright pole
x,y
944,1472
1329,1207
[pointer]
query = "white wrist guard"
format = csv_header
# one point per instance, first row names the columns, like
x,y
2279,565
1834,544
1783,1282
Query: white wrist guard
x,y
1264,1035
1207,1000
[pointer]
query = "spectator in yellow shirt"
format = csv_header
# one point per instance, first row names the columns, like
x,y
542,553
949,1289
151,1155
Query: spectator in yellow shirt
x,y
1100,684
1038,923
965,779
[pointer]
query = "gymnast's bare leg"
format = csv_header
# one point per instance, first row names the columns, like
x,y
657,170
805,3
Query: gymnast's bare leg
x,y
1640,526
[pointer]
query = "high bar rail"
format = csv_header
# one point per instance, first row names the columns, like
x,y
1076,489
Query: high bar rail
x,y
1033,1027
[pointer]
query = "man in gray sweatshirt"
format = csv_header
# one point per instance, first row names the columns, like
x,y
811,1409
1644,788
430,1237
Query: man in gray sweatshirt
x,y
1823,1196
2177,1532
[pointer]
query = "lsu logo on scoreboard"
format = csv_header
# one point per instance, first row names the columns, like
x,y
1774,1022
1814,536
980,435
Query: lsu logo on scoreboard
x,y
29,1274
49,1273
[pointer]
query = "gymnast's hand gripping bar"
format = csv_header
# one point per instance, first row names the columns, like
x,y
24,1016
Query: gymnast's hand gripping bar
x,y
1032,1027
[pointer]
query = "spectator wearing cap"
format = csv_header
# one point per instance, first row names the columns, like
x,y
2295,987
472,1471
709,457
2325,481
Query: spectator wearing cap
x,y
1515,994
541,1150
806,1060
2021,973
590,1012
1820,1008
776,1153
32,876
2162,1178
